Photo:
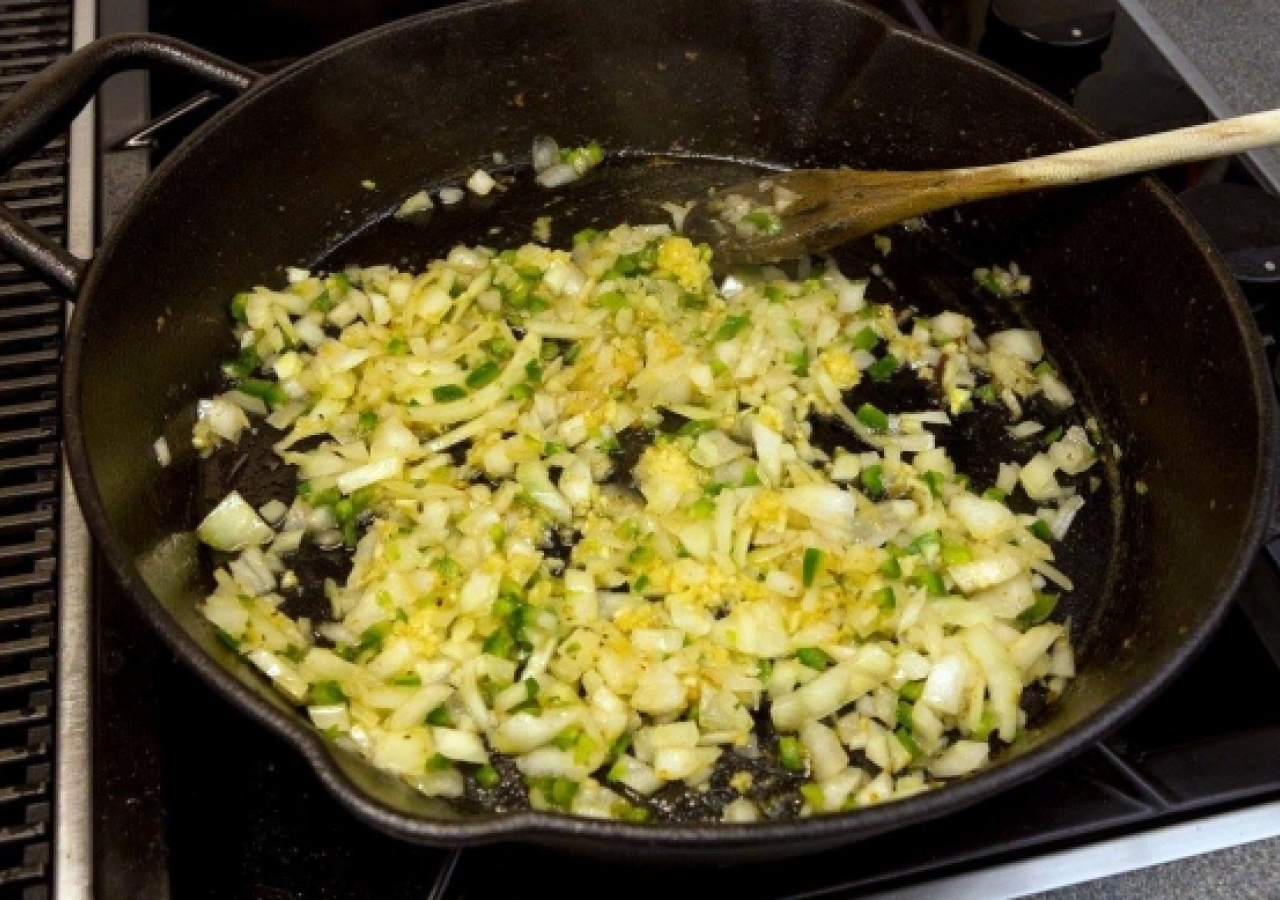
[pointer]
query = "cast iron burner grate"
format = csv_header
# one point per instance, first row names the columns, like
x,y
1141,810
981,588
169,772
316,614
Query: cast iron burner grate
x,y
32,35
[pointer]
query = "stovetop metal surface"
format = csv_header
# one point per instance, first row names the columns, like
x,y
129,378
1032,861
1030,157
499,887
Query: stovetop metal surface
x,y
193,801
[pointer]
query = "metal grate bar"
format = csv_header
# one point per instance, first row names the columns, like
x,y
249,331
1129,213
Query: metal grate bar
x,y
22,833
35,183
36,579
34,357
24,680
42,333
39,460
30,519
30,872
25,435
33,715
22,312
45,488
25,646
23,792
33,382
23,754
34,407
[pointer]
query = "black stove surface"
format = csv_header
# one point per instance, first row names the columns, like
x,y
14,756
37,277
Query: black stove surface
x,y
195,801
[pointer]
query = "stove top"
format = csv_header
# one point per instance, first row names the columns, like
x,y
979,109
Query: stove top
x,y
193,801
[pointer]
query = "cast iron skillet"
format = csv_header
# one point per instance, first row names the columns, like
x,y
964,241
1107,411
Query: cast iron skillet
x,y
1138,312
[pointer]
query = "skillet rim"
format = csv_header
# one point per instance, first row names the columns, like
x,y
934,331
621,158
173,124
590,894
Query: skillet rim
x,y
687,840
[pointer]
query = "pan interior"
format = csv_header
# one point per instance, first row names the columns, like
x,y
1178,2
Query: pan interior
x,y
1131,306
927,271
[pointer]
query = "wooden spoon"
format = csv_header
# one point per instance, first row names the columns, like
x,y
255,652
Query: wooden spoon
x,y
811,210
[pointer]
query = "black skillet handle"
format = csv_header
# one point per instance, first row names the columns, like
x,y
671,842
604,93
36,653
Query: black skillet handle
x,y
46,105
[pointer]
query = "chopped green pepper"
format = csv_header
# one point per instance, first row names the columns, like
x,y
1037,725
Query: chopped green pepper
x,y
695,427
448,393
866,339
487,777
764,221
563,790
934,481
484,374
339,283
240,307
873,480
881,369
890,567
1038,611
448,567
906,740
814,658
625,812
932,582
732,327
322,302
872,417
799,362
703,508
269,392
886,599
567,738
326,693
243,365
812,794
500,644
612,300
923,542
373,636
789,754
812,563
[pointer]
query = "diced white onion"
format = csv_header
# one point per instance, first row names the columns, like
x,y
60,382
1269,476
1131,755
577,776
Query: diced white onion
x,y
233,525
546,153
558,175
481,182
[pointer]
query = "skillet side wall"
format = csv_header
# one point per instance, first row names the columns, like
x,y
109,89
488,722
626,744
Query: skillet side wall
x,y
1125,295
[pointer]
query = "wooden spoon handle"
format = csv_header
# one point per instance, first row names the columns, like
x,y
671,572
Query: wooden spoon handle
x,y
1224,138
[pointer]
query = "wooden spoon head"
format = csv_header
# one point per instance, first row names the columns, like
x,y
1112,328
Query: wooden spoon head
x,y
811,210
